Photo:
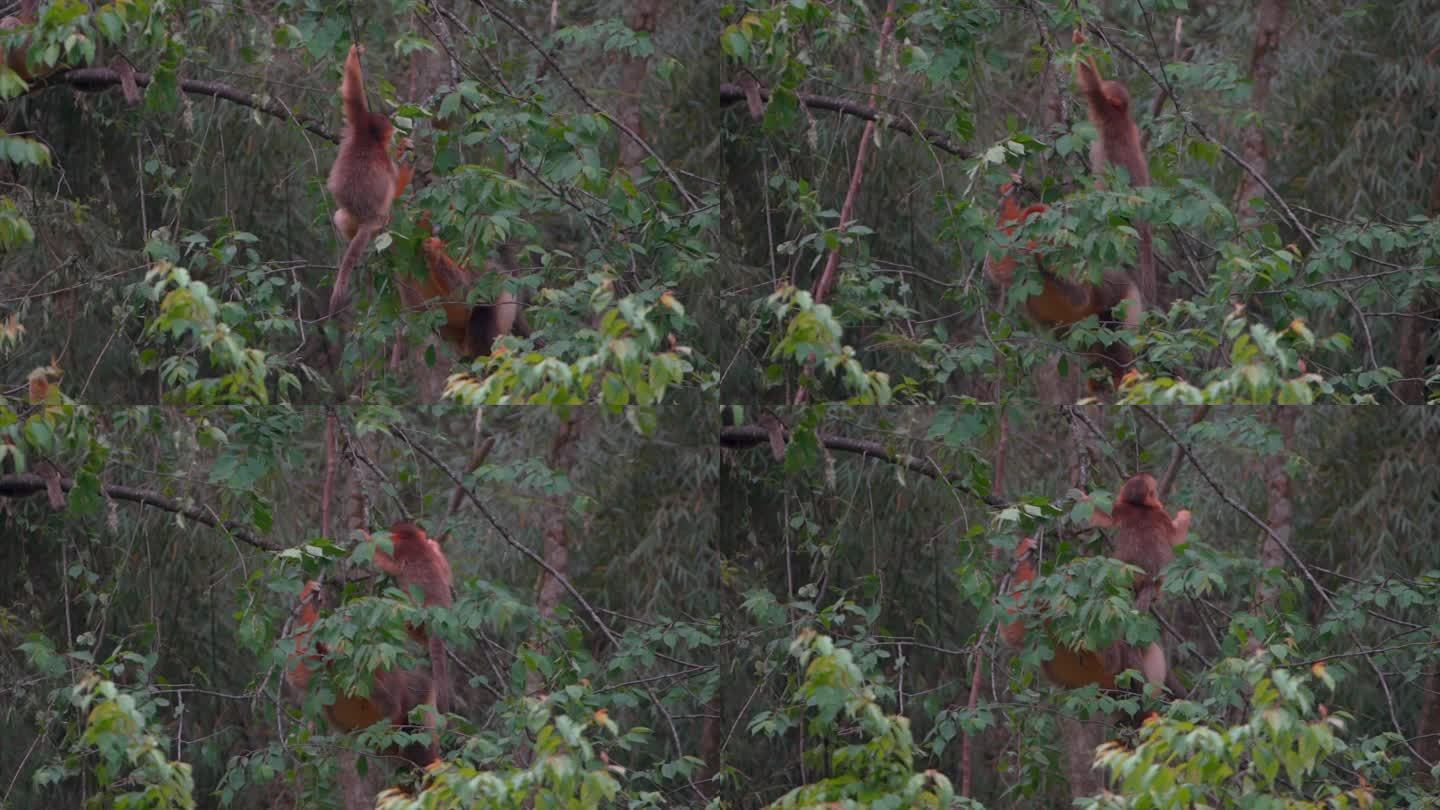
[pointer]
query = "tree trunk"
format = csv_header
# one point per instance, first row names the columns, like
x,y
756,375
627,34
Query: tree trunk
x,y
1081,739
1050,387
1415,333
1429,743
1279,516
358,792
710,741
1414,345
554,528
1082,736
1269,18
634,70
1280,512
561,460
426,72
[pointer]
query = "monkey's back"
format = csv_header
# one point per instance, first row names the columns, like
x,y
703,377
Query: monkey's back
x,y
1119,144
1108,104
1061,302
416,559
1144,537
363,178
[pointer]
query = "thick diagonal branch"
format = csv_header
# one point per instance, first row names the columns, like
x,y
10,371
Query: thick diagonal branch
x,y
731,93
747,436
95,79
24,485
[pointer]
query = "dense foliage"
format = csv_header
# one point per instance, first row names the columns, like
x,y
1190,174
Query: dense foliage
x,y
733,524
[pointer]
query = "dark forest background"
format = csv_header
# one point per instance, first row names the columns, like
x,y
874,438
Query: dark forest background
x,y
732,526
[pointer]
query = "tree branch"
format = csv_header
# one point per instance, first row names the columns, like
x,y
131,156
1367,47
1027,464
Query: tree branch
x,y
585,99
97,79
731,93
822,286
742,437
24,485
1178,456
1299,564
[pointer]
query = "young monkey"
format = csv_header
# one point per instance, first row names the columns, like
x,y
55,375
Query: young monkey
x,y
393,693
1108,103
1146,537
416,561
1062,302
364,179
472,331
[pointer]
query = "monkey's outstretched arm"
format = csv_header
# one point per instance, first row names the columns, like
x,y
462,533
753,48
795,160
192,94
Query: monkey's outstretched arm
x,y
1182,527
402,179
1087,75
352,88
1098,517
403,172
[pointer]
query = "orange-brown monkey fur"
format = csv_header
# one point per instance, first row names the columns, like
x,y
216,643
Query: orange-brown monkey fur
x,y
1067,668
1118,144
472,330
1062,302
1073,668
393,694
364,179
1146,537
444,282
15,58
1145,534
416,561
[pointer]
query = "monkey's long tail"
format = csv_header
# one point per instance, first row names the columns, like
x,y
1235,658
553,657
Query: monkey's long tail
x,y
1146,262
363,235
440,673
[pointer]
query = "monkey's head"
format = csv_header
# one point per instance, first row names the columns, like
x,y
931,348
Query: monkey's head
x,y
407,529
1140,490
407,543
1116,96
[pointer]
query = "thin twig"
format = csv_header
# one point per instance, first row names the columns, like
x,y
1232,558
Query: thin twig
x,y
327,491
731,93
483,445
746,436
1168,480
